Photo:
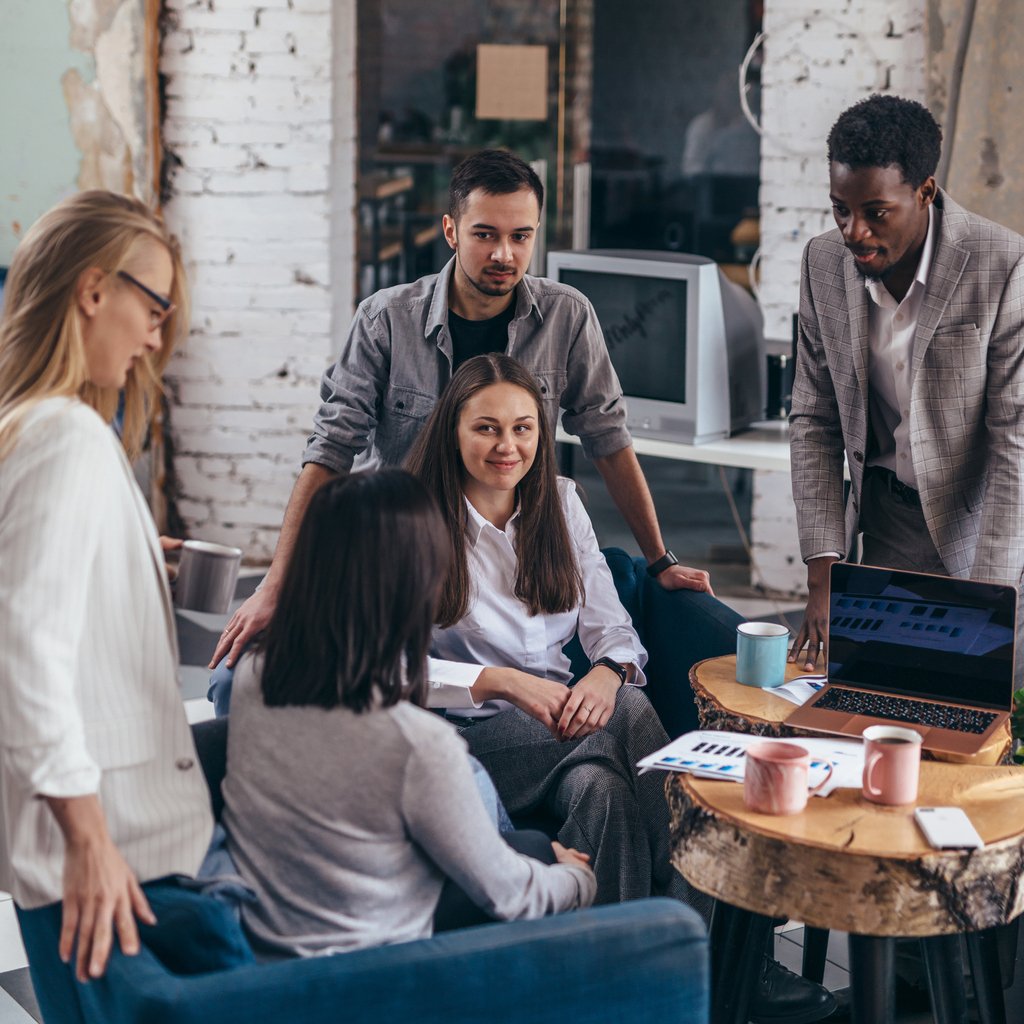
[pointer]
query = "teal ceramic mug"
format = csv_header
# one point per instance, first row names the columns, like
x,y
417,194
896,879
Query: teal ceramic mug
x,y
761,649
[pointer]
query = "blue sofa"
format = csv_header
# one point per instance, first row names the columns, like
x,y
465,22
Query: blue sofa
x,y
646,962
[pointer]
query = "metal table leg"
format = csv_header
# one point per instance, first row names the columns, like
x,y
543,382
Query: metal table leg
x,y
945,966
872,979
983,953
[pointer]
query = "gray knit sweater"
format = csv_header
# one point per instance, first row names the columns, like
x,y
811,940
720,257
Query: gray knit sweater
x,y
346,826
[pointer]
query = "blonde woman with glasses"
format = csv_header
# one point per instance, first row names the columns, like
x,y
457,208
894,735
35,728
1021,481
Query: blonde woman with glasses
x,y
100,787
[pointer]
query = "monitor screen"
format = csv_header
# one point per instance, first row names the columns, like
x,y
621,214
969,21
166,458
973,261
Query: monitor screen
x,y
921,636
644,324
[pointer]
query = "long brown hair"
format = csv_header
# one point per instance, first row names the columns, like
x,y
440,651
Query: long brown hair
x,y
548,576
41,350
352,625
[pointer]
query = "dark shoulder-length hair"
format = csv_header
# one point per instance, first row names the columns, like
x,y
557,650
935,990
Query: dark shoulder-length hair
x,y
353,620
547,577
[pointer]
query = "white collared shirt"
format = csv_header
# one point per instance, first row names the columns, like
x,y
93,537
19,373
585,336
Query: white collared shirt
x,y
498,629
891,329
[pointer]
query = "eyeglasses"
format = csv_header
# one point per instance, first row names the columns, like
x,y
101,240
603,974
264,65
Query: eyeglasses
x,y
166,306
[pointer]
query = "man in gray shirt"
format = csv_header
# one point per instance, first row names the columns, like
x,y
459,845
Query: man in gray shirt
x,y
405,343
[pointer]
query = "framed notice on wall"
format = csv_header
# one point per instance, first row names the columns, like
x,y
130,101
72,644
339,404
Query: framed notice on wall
x,y
512,82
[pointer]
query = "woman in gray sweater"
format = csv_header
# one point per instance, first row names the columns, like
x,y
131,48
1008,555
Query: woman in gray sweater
x,y
347,803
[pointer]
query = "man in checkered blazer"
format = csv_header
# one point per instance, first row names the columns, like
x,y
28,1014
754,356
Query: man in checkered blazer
x,y
911,360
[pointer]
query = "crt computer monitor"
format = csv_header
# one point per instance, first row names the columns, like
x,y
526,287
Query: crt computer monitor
x,y
686,343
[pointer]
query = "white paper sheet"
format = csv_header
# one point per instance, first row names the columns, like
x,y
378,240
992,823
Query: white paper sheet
x,y
721,755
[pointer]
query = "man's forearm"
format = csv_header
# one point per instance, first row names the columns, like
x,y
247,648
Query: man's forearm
x,y
311,479
626,484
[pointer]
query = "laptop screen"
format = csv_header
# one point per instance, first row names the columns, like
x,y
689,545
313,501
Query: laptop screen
x,y
921,636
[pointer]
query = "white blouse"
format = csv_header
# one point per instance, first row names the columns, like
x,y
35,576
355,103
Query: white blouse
x,y
498,629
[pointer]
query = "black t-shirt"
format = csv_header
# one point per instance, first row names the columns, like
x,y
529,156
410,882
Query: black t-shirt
x,y
478,337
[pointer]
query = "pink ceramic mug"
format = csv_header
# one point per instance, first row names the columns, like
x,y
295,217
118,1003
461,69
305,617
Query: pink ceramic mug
x,y
775,778
892,764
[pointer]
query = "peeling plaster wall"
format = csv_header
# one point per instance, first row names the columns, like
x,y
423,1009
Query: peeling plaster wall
x,y
987,172
110,114
40,160
76,111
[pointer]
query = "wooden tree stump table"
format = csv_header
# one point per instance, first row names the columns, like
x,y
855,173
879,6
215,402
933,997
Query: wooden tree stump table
x,y
722,703
845,863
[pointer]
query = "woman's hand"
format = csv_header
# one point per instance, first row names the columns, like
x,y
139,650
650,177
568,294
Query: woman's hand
x,y
591,703
101,894
168,544
567,855
539,698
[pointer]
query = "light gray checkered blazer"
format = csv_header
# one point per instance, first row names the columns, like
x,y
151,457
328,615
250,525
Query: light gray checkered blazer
x,y
966,406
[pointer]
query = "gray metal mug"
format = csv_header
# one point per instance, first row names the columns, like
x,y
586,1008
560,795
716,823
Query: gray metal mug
x,y
207,574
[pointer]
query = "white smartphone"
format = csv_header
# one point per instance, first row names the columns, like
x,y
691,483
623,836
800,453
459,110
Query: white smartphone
x,y
948,828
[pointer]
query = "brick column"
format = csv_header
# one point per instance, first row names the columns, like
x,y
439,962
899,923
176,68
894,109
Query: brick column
x,y
250,132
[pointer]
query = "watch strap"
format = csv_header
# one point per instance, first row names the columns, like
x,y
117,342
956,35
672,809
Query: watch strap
x,y
620,670
658,567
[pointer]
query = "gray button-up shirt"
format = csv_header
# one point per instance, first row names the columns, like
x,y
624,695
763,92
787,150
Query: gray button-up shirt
x,y
398,358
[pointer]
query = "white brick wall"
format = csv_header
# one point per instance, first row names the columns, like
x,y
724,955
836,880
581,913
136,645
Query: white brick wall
x,y
252,125
817,62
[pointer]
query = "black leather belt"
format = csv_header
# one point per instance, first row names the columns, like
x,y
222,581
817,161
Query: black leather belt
x,y
895,486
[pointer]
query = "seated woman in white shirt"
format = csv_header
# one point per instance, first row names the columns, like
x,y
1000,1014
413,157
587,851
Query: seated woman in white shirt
x,y
346,803
527,574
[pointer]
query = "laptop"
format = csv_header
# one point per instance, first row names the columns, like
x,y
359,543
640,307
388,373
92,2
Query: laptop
x,y
931,653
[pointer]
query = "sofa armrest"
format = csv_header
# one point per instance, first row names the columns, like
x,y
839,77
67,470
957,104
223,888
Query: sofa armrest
x,y
644,961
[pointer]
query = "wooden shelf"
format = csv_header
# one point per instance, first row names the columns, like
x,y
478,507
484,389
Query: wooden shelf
x,y
382,186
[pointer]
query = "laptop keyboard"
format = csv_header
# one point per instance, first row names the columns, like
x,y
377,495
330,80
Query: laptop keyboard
x,y
899,709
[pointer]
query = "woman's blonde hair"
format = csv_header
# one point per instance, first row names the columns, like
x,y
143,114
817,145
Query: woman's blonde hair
x,y
41,350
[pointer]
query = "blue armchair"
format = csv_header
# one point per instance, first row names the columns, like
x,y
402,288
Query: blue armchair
x,y
645,962
678,628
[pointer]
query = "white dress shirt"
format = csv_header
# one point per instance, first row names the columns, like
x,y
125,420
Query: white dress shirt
x,y
891,329
498,629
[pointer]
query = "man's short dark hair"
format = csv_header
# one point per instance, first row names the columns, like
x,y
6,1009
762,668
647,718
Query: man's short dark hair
x,y
887,131
496,172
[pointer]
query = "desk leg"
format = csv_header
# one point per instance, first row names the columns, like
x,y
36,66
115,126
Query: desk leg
x,y
872,979
983,952
945,966
738,941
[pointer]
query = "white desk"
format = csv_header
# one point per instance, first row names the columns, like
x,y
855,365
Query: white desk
x,y
764,445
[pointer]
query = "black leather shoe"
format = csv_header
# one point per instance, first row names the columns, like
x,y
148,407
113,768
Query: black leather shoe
x,y
782,997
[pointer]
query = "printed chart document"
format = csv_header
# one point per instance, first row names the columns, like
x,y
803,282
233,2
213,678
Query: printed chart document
x,y
799,691
711,754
